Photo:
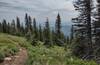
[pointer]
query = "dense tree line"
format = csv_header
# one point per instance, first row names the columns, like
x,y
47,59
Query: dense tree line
x,y
34,32
86,29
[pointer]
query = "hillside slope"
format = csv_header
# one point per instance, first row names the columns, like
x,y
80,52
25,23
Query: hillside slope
x,y
9,47
37,55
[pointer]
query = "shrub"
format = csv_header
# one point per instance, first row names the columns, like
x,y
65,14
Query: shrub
x,y
2,56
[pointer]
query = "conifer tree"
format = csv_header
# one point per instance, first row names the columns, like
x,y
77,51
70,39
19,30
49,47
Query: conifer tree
x,y
0,27
30,24
59,38
83,26
34,24
41,37
18,24
8,28
53,37
13,27
35,29
22,29
72,34
96,25
67,42
47,33
4,26
58,26
26,23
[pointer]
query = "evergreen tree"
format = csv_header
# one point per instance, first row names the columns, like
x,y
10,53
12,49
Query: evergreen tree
x,y
36,35
4,26
96,25
26,23
67,42
18,24
58,26
53,37
0,27
22,29
83,26
47,33
41,38
8,28
13,27
35,29
34,24
30,24
71,35
59,38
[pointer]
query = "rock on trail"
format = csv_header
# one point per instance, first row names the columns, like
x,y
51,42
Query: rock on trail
x,y
18,59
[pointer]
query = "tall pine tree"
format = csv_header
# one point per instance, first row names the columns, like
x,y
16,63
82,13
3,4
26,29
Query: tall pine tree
x,y
26,23
35,29
59,38
8,28
18,24
30,24
47,33
96,25
4,26
41,37
13,27
0,27
58,26
83,26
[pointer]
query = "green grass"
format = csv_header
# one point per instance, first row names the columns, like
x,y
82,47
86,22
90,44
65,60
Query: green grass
x,y
41,55
9,45
38,55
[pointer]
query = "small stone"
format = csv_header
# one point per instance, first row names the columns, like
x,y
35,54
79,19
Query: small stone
x,y
16,56
7,59
20,49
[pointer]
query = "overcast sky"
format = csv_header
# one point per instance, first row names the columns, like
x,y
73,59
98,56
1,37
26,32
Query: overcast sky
x,y
39,9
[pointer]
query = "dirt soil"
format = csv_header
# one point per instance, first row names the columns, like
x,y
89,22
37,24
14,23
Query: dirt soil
x,y
18,59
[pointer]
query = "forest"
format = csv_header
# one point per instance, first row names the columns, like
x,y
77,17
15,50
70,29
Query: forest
x,y
42,45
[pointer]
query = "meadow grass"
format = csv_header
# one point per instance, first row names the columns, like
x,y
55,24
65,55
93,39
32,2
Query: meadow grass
x,y
40,54
9,45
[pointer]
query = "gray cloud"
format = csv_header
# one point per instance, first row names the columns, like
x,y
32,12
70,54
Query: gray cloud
x,y
37,8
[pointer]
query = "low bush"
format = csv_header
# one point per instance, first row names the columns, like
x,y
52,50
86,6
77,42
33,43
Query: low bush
x,y
41,55
2,56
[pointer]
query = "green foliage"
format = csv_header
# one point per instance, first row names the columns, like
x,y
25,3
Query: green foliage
x,y
41,36
4,26
7,49
47,34
28,36
13,27
41,55
82,28
18,24
9,45
58,26
1,56
79,47
76,61
35,30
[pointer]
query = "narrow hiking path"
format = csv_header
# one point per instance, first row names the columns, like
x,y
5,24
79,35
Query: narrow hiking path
x,y
18,59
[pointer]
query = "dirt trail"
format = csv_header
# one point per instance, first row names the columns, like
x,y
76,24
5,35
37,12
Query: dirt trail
x,y
19,59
